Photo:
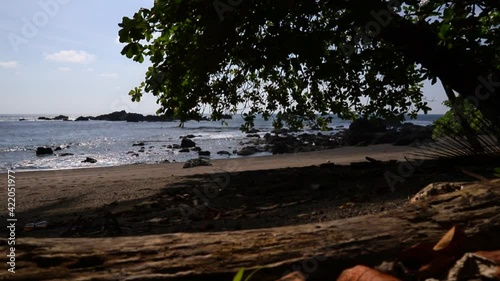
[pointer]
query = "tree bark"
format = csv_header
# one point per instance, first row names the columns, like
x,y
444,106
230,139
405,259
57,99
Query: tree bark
x,y
320,250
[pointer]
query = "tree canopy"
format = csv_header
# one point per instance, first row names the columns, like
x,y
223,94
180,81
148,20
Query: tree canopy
x,y
297,60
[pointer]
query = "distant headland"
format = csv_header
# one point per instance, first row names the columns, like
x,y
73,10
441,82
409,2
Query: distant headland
x,y
124,116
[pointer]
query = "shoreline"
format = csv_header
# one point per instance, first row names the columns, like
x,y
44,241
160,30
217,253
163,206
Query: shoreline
x,y
232,194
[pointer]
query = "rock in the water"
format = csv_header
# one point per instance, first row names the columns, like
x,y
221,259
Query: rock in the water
x,y
185,143
253,131
367,126
184,150
138,144
65,154
248,150
84,118
44,118
196,163
44,151
58,148
204,153
253,136
176,146
190,136
89,160
61,117
197,149
223,152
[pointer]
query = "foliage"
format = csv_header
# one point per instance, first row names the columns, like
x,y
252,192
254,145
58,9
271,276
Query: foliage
x,y
449,124
299,61
240,273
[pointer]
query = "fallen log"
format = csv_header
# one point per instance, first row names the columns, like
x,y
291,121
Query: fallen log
x,y
321,251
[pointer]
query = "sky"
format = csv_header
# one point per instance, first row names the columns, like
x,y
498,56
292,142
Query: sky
x,y
63,57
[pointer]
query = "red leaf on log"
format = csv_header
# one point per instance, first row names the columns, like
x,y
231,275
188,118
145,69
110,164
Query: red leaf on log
x,y
363,273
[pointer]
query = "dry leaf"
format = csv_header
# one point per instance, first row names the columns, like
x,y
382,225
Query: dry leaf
x,y
452,243
363,273
493,256
435,268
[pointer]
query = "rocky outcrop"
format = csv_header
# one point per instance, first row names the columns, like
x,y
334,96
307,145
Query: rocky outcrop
x,y
375,132
61,117
44,151
84,118
131,117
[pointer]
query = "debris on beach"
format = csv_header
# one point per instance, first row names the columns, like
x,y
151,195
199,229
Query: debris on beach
x,y
196,163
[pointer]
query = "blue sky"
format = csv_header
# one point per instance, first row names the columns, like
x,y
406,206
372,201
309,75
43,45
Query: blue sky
x,y
63,57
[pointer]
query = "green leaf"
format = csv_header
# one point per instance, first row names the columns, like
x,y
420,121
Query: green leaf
x,y
239,275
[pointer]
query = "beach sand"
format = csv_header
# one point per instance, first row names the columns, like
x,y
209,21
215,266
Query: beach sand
x,y
231,194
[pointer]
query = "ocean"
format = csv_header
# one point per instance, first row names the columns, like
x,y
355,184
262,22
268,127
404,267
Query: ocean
x,y
111,143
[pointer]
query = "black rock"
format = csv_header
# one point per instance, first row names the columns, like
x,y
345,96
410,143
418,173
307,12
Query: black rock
x,y
196,163
187,143
44,118
44,151
223,152
248,150
253,136
65,154
197,149
253,131
176,146
367,126
190,136
61,117
58,148
89,160
139,144
204,153
84,118
184,150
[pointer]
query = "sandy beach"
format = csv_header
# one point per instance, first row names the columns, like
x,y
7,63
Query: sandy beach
x,y
231,194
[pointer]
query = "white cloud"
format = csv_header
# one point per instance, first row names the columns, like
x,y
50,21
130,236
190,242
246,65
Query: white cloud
x,y
88,70
71,56
8,64
64,69
109,75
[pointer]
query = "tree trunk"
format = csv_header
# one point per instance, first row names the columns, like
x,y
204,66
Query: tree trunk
x,y
471,77
320,250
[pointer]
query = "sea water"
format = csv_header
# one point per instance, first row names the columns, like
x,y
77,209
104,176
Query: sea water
x,y
111,142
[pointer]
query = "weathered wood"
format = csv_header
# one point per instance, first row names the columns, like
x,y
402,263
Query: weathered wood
x,y
318,250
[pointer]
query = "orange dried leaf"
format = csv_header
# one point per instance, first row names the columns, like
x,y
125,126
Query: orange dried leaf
x,y
363,273
452,242
493,256
445,240
436,267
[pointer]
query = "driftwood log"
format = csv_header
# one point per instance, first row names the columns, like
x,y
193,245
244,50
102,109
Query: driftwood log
x,y
320,250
